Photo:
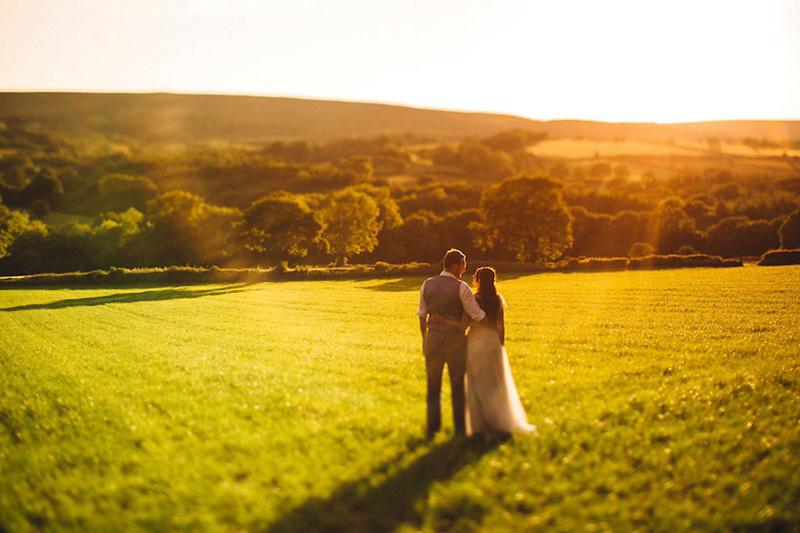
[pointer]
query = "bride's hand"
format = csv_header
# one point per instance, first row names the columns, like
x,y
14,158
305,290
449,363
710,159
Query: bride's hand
x,y
436,317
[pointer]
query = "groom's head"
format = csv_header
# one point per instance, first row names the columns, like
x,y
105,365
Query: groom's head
x,y
455,262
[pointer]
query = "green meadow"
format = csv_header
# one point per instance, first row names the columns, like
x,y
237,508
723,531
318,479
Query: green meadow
x,y
665,401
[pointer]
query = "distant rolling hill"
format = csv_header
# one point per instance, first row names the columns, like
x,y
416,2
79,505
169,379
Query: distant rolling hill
x,y
177,118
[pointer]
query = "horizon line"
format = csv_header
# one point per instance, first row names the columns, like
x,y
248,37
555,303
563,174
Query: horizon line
x,y
380,103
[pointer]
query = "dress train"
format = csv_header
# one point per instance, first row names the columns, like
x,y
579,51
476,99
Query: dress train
x,y
492,400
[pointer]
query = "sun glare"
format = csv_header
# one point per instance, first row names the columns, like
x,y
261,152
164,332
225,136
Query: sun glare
x,y
620,60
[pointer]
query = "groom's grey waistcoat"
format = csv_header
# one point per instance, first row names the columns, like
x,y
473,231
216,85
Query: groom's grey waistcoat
x,y
441,296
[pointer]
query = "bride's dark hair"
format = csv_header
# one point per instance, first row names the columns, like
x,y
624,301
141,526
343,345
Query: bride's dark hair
x,y
487,293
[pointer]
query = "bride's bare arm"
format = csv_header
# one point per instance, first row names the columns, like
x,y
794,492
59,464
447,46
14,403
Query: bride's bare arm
x,y
462,324
501,325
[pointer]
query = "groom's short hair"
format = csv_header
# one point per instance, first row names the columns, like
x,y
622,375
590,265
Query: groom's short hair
x,y
454,257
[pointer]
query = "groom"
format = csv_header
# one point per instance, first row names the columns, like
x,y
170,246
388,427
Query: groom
x,y
448,296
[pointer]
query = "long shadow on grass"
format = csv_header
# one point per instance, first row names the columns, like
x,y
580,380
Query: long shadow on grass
x,y
129,297
388,497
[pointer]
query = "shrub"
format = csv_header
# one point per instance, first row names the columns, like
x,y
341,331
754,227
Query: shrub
x,y
780,257
604,264
641,249
655,262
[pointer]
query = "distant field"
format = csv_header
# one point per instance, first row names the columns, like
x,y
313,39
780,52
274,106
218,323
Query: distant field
x,y
589,148
742,149
665,400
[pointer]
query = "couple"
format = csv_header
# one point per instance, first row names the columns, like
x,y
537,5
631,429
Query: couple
x,y
485,399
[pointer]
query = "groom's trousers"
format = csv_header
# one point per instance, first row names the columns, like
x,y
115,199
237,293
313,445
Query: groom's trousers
x,y
444,347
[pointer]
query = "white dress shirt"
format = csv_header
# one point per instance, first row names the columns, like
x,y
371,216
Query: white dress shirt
x,y
467,300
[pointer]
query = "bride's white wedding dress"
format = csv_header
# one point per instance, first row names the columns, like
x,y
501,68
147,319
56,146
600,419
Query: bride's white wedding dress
x,y
492,400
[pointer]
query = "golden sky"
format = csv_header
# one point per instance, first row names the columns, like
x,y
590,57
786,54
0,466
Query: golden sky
x,y
610,60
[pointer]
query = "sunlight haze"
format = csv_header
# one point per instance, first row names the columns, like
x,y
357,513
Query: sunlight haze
x,y
613,61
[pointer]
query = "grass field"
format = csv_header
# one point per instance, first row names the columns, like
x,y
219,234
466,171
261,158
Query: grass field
x,y
665,401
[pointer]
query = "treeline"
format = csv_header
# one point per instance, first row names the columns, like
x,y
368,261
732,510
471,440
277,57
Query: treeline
x,y
320,203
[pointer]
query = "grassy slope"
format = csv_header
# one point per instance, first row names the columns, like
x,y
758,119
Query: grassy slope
x,y
665,400
179,118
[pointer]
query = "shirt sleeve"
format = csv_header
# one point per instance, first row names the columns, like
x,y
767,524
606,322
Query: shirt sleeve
x,y
470,304
423,307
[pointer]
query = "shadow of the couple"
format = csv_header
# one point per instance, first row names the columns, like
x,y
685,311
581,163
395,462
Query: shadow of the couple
x,y
129,297
388,496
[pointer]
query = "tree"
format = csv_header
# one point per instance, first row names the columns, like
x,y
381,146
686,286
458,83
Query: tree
x,y
281,226
589,232
513,140
6,236
790,231
702,210
622,173
418,238
389,211
674,228
350,223
625,229
116,236
600,170
740,237
118,192
186,230
44,187
480,161
641,249
16,229
525,216
454,231
14,170
559,171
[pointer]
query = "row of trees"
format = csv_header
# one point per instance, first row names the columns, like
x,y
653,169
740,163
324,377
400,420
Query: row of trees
x,y
320,203
365,221
522,218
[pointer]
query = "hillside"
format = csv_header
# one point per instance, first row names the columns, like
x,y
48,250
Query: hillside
x,y
174,118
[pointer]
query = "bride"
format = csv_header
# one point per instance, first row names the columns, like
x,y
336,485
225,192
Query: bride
x,y
492,400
